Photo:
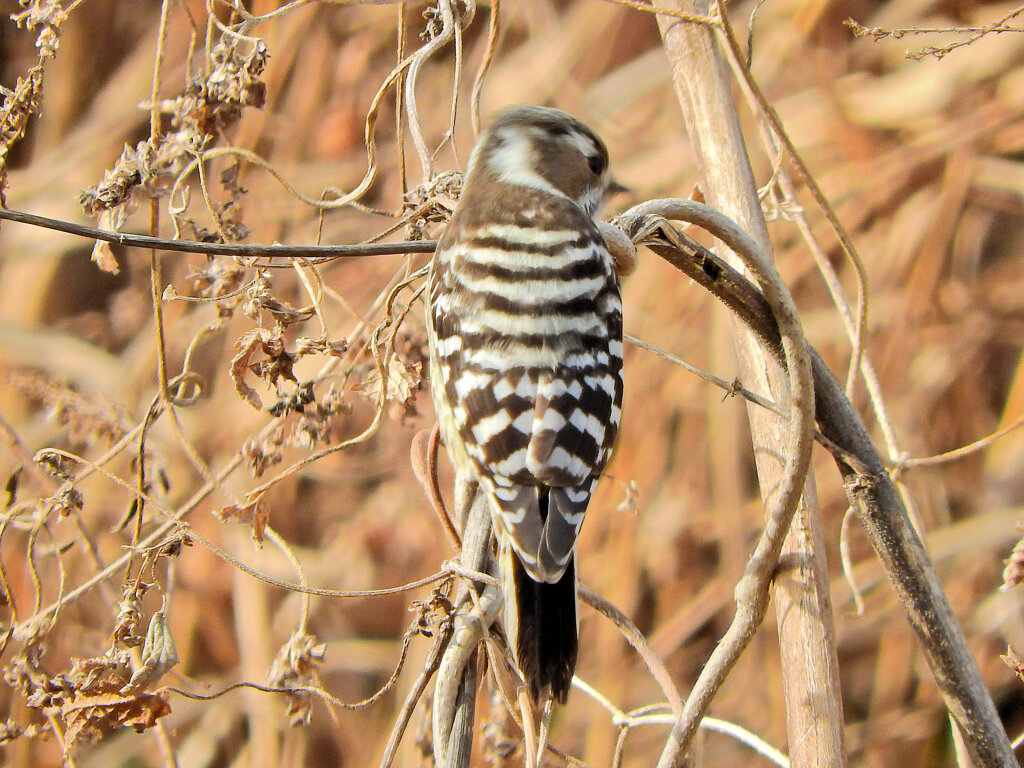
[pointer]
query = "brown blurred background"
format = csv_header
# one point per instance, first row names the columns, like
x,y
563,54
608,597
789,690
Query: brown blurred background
x,y
923,161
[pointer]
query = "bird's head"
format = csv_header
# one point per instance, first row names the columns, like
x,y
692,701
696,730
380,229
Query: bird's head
x,y
547,149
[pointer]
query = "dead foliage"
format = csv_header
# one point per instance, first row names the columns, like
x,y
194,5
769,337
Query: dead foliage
x,y
211,474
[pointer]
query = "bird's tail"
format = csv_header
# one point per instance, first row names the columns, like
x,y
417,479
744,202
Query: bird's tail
x,y
541,626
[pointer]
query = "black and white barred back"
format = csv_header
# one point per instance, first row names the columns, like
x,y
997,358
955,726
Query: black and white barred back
x,y
525,334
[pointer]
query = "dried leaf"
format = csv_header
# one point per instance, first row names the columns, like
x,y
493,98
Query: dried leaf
x,y
307,346
66,501
255,515
209,105
285,313
129,613
259,454
295,402
278,365
1013,661
159,655
297,665
99,673
88,717
403,381
113,207
9,731
310,431
220,278
103,257
1013,572
246,346
87,417
259,297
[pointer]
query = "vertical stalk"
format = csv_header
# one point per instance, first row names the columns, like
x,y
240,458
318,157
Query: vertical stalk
x,y
810,668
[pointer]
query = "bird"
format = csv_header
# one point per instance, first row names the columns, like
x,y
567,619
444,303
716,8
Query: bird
x,y
524,333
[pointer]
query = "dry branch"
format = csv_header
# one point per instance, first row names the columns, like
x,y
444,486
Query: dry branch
x,y
879,508
703,87
752,590
313,253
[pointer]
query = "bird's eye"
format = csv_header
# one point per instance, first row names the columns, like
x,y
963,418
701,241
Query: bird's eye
x,y
596,163
558,130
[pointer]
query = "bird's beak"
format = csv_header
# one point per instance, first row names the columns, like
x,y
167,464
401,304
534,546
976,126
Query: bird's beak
x,y
614,188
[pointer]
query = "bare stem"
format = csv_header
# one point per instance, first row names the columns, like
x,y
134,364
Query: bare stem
x,y
752,590
704,89
312,253
879,507
455,691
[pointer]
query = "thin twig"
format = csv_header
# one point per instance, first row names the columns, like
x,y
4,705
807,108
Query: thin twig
x,y
737,732
976,32
847,562
315,253
730,387
640,644
962,451
437,41
493,30
693,18
430,666
423,452
769,114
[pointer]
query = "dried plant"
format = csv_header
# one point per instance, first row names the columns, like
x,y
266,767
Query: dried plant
x,y
210,528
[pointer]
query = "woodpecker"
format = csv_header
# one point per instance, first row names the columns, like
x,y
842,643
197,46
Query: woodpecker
x,y
525,338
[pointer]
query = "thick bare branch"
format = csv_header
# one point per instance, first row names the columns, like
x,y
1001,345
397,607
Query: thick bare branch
x,y
879,507
752,590
704,89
